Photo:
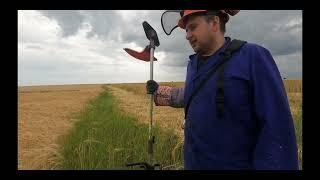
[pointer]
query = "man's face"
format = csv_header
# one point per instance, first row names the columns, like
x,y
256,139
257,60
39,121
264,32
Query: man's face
x,y
199,33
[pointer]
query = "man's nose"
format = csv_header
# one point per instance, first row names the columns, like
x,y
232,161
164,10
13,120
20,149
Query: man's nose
x,y
188,35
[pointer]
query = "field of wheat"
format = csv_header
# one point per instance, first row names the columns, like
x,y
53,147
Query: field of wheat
x,y
132,98
45,115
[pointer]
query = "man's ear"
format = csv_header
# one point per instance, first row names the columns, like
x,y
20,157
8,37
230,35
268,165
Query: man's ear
x,y
214,23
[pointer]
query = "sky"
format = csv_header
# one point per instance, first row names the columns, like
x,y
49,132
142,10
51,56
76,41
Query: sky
x,y
86,46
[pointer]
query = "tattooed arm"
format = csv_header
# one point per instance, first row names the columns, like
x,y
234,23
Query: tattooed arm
x,y
169,96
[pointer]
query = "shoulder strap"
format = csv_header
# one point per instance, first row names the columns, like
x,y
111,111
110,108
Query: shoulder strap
x,y
237,44
233,46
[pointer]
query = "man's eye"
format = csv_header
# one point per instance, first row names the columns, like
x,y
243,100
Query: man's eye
x,y
190,28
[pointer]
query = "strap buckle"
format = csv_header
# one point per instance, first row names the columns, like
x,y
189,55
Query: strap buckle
x,y
219,99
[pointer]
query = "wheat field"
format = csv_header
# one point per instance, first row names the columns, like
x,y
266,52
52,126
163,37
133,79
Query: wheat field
x,y
45,115
132,98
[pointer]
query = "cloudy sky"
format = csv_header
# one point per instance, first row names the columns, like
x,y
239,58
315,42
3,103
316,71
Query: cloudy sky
x,y
86,47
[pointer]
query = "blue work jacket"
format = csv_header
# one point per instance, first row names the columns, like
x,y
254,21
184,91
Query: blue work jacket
x,y
256,130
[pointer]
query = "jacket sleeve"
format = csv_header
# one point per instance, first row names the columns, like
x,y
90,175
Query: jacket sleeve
x,y
276,146
169,96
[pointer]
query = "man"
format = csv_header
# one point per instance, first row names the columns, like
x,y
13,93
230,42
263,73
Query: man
x,y
255,130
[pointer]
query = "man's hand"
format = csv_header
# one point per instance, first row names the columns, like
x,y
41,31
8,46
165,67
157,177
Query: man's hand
x,y
152,86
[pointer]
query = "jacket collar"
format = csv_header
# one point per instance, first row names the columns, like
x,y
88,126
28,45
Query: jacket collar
x,y
209,62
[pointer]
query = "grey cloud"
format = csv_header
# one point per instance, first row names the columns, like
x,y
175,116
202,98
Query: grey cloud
x,y
268,28
47,64
283,45
175,46
33,47
103,22
55,69
175,60
133,31
69,20
108,25
138,38
290,65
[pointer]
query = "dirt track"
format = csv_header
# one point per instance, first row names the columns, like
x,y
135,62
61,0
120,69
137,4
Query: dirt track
x,y
44,117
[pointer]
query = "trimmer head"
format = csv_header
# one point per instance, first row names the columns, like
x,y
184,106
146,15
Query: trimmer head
x,y
143,55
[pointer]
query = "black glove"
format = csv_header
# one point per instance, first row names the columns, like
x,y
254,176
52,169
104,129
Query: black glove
x,y
152,86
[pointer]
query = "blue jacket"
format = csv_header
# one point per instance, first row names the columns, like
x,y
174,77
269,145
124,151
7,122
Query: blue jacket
x,y
256,131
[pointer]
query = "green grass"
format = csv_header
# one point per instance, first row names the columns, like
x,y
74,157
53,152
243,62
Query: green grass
x,y
106,138
298,127
297,119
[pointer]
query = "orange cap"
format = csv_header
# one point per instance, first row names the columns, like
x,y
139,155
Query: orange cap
x,y
182,24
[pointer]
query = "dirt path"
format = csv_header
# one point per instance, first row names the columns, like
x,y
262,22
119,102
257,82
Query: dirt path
x,y
44,117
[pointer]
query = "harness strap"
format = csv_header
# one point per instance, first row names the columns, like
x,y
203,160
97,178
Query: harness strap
x,y
232,47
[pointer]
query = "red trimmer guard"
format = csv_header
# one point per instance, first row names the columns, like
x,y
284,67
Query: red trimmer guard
x,y
143,55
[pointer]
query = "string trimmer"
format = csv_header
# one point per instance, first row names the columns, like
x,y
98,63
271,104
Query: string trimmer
x,y
147,55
